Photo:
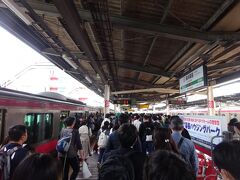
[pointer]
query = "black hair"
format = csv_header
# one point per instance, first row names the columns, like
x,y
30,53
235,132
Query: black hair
x,y
237,125
117,168
84,122
146,116
232,121
123,118
106,125
127,135
162,140
69,121
165,165
38,167
176,123
155,117
108,115
136,116
16,132
226,156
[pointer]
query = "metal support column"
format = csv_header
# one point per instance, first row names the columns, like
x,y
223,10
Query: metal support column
x,y
211,104
167,107
106,99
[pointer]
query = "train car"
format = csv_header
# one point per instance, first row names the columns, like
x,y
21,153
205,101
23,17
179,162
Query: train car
x,y
43,115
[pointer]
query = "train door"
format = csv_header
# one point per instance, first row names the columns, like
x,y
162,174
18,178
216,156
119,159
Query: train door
x,y
2,123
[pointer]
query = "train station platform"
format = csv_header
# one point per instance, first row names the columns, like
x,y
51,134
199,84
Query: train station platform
x,y
92,165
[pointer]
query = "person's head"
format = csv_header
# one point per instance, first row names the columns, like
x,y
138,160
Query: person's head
x,y
123,118
154,117
176,123
165,165
127,135
146,118
18,133
162,140
38,167
70,121
226,157
106,125
136,116
237,127
108,115
84,122
231,124
117,168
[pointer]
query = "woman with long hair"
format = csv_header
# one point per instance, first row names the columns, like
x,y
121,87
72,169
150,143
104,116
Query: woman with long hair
x,y
162,140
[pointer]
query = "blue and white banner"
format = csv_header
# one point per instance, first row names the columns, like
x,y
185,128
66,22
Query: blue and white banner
x,y
203,128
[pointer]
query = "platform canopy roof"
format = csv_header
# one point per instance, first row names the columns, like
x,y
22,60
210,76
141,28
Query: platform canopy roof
x,y
131,44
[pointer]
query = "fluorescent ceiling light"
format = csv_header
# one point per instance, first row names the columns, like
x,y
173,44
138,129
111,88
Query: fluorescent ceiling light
x,y
11,4
69,61
88,79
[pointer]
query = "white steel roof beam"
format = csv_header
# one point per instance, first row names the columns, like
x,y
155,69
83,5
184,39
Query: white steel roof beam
x,y
161,90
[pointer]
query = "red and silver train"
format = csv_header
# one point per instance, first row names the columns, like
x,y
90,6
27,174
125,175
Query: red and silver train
x,y
42,114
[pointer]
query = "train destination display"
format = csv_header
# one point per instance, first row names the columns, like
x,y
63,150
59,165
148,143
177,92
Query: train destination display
x,y
193,80
203,128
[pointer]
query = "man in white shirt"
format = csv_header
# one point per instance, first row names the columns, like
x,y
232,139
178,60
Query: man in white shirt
x,y
137,121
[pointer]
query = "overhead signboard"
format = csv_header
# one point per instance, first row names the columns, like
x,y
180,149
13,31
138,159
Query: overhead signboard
x,y
122,102
194,80
143,106
203,128
177,101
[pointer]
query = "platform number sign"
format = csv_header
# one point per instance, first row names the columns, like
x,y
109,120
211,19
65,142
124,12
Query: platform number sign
x,y
194,80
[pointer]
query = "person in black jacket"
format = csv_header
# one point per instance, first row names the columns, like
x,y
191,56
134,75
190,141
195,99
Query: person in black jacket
x,y
128,137
71,156
146,135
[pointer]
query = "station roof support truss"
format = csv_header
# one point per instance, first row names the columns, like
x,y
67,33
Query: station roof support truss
x,y
173,32
160,90
145,69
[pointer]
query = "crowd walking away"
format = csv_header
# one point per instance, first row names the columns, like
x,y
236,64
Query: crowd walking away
x,y
125,147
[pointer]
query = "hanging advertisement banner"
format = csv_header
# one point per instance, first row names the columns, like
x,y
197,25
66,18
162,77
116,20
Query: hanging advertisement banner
x,y
203,128
193,80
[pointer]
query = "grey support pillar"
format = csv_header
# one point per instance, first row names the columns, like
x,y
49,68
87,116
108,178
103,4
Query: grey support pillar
x,y
106,99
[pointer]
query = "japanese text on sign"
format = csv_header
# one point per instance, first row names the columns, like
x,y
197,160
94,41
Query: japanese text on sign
x,y
203,128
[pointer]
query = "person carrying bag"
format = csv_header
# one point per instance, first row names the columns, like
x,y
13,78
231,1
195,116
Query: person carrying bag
x,y
68,146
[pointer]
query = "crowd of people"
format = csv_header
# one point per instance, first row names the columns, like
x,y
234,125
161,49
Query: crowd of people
x,y
129,147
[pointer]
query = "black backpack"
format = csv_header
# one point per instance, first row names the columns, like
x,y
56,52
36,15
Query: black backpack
x,y
5,159
148,133
117,167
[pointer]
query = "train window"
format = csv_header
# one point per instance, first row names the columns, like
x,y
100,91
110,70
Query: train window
x,y
29,122
48,120
39,125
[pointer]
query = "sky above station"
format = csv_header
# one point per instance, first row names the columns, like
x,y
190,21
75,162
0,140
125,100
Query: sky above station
x,y
24,69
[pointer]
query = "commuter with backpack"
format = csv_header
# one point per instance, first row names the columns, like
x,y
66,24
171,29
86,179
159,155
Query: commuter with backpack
x,y
124,156
13,153
167,165
146,135
68,147
102,140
